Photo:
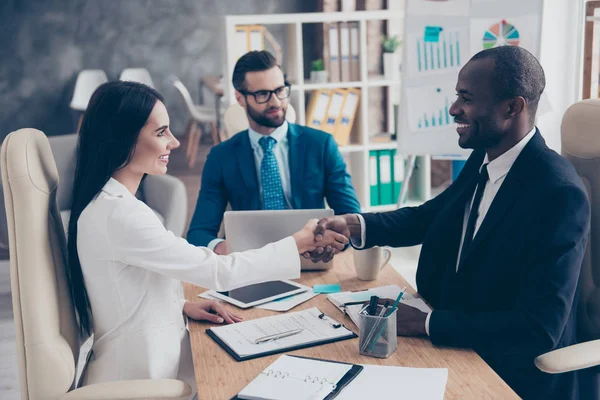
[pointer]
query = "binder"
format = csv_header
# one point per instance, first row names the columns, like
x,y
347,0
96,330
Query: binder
x,y
241,40
385,177
398,176
317,108
256,38
373,178
334,110
354,52
345,119
332,56
295,367
344,51
335,332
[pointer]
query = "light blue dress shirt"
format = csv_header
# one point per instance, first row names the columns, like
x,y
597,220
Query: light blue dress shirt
x,y
281,151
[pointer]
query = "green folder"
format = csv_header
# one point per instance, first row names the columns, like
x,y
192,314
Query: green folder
x,y
397,173
386,185
374,178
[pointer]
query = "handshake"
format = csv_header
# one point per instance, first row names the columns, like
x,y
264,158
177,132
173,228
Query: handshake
x,y
320,240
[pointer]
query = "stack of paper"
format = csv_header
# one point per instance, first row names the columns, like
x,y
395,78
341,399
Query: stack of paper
x,y
382,382
390,292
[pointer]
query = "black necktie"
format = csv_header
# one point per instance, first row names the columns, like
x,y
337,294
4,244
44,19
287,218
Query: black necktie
x,y
483,178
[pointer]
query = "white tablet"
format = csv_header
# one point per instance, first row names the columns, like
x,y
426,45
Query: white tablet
x,y
259,293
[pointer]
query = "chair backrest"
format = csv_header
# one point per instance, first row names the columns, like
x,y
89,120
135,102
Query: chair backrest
x,y
140,75
185,95
87,82
580,135
46,329
235,119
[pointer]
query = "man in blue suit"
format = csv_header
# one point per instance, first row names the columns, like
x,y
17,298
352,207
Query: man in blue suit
x,y
273,165
503,245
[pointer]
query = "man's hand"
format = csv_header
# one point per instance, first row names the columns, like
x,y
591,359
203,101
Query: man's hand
x,y
221,249
209,310
347,225
410,321
306,241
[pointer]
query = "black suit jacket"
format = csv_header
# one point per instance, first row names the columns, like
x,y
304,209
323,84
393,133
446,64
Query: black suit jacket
x,y
514,296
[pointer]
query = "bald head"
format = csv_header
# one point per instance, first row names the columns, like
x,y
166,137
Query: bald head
x,y
516,73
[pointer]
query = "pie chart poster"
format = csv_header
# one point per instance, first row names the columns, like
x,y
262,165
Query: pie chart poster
x,y
506,23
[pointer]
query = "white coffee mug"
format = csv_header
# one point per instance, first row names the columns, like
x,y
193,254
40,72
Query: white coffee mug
x,y
369,262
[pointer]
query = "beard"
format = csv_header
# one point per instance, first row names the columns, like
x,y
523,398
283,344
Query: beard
x,y
261,118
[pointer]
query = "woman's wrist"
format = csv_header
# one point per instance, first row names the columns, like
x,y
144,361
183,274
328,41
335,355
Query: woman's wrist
x,y
304,241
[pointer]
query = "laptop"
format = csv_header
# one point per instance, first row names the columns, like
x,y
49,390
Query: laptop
x,y
246,230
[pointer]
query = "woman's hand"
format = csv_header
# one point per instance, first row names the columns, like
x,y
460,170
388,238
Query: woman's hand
x,y
330,240
209,310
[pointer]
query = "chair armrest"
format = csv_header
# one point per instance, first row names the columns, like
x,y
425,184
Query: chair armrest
x,y
167,195
136,389
571,358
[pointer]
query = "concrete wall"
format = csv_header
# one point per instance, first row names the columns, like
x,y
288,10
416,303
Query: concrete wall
x,y
45,43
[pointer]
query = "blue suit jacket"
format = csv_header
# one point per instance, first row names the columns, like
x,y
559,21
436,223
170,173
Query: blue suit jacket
x,y
317,172
514,296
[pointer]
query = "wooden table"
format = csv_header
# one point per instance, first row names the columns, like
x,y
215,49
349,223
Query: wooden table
x,y
219,376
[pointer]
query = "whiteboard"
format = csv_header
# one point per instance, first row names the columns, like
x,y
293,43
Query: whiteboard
x,y
439,39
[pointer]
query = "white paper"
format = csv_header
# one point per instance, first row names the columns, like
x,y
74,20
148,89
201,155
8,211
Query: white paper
x,y
283,304
293,378
522,31
448,55
241,336
437,7
383,382
429,109
390,292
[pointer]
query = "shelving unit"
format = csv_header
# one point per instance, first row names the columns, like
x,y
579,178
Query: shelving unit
x,y
356,153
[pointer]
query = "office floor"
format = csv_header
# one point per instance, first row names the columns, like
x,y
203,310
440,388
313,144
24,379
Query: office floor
x,y
404,261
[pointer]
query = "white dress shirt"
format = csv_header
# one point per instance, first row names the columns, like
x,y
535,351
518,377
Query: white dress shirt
x,y
281,151
497,170
132,267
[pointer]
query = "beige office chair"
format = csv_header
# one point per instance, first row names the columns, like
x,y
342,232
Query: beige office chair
x,y
45,323
235,120
166,195
580,132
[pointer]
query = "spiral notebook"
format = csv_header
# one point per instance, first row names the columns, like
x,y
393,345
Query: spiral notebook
x,y
300,378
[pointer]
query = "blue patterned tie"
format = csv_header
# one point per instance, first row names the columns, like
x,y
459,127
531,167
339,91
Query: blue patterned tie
x,y
273,198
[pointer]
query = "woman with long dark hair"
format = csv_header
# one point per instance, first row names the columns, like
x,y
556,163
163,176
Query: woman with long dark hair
x,y
125,268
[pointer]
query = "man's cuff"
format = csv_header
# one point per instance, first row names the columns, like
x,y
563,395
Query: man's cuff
x,y
213,243
360,244
427,323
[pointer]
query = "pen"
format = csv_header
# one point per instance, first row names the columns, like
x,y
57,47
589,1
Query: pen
x,y
391,311
276,336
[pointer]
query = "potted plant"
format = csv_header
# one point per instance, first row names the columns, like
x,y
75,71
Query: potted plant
x,y
391,58
317,71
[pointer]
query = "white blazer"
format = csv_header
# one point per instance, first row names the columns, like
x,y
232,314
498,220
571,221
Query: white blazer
x,y
132,267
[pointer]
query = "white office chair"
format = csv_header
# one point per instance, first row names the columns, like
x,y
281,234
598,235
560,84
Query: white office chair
x,y
235,120
198,115
140,75
45,323
580,135
87,82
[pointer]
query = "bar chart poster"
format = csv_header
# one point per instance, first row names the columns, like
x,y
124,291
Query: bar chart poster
x,y
429,108
437,49
523,31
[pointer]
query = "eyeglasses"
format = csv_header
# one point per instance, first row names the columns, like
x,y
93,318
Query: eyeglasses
x,y
263,96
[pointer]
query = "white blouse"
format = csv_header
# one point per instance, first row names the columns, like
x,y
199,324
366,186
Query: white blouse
x,y
132,267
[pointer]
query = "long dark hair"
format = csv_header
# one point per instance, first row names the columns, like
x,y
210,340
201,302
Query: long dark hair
x,y
111,125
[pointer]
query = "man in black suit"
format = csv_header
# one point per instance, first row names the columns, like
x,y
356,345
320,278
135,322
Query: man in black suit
x,y
503,245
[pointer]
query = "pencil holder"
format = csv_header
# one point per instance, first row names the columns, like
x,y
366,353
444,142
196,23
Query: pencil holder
x,y
377,334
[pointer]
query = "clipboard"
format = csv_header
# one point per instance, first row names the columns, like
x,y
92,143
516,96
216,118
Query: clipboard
x,y
270,350
341,384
